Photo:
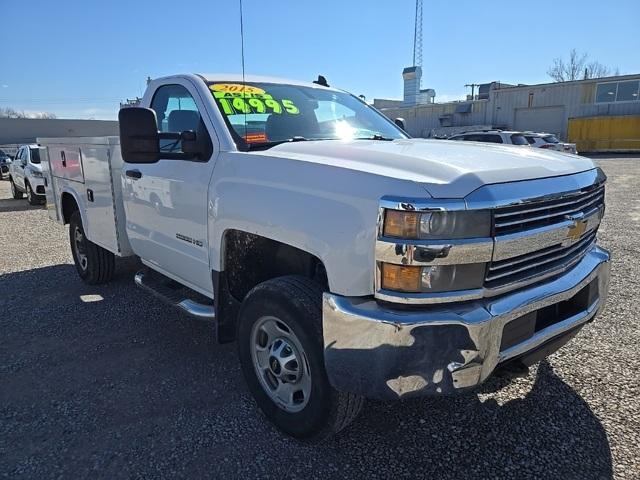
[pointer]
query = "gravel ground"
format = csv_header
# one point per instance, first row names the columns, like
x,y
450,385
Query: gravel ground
x,y
104,382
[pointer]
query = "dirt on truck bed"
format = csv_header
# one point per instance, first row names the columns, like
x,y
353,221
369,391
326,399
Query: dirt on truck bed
x,y
106,382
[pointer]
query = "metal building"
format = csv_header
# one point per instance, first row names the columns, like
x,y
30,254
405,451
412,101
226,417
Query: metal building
x,y
567,109
18,131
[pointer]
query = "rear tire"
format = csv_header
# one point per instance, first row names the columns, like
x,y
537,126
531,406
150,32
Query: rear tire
x,y
31,197
94,264
293,305
17,194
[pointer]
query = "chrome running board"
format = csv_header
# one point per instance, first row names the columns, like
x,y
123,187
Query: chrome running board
x,y
176,298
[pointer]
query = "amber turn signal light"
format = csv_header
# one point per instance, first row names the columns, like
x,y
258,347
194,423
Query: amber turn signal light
x,y
401,224
400,278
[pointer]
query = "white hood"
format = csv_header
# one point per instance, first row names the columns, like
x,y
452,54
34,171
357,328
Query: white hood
x,y
446,169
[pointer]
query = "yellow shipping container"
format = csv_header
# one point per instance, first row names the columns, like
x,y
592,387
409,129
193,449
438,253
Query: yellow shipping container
x,y
605,134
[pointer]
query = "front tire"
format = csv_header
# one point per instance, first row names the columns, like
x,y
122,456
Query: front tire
x,y
282,357
94,264
17,194
31,197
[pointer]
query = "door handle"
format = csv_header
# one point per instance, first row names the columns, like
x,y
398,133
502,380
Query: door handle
x,y
134,174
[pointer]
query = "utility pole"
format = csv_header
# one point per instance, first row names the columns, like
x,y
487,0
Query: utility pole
x,y
473,89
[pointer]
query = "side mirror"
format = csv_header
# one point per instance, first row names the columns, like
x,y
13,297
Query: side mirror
x,y
189,141
139,140
399,122
197,145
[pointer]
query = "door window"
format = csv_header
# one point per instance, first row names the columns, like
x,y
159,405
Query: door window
x,y
22,158
492,138
176,112
518,139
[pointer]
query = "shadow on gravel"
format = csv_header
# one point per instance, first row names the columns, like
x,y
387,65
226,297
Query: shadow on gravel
x,y
12,205
548,433
124,387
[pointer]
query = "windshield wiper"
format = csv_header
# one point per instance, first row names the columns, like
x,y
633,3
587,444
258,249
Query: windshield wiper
x,y
376,136
296,138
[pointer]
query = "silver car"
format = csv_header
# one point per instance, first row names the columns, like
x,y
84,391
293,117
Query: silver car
x,y
549,141
5,161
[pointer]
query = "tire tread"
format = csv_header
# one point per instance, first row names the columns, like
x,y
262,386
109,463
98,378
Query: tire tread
x,y
101,261
345,406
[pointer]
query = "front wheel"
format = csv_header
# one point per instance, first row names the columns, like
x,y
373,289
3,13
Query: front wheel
x,y
31,197
281,353
15,193
94,264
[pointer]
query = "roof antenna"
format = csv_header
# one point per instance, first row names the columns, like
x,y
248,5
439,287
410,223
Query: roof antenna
x,y
321,81
244,84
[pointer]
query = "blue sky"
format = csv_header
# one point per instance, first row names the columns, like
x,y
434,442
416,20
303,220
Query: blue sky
x,y
78,59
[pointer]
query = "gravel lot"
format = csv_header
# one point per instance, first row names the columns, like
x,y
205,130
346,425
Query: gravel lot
x,y
105,382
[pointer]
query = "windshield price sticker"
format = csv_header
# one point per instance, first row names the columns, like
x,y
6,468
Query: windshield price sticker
x,y
237,99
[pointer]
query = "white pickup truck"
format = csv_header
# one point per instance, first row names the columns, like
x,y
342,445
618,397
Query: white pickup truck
x,y
346,259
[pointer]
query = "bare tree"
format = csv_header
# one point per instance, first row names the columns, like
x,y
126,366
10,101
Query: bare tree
x,y
8,112
577,67
46,115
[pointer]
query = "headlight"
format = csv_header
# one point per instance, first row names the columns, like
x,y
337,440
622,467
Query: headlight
x,y
36,174
437,225
433,278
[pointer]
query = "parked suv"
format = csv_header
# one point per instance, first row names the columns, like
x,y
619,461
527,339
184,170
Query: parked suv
x,y
25,175
5,161
493,136
550,142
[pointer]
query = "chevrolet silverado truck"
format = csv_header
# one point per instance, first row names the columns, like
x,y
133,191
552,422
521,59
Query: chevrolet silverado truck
x,y
347,260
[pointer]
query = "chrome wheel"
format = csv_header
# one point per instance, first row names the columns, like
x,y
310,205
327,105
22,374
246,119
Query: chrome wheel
x,y
280,363
79,247
29,193
13,189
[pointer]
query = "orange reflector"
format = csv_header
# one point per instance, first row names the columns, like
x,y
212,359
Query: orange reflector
x,y
400,278
401,224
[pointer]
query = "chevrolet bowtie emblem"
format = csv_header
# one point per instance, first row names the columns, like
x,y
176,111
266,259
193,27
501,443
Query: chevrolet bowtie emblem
x,y
577,229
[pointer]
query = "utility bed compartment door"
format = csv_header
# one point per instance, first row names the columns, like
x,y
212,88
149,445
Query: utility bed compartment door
x,y
98,192
89,169
66,162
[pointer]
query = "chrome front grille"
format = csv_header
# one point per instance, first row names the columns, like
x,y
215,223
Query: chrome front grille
x,y
572,218
528,216
537,263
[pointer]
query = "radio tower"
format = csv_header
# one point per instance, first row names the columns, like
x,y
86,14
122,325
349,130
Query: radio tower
x,y
417,36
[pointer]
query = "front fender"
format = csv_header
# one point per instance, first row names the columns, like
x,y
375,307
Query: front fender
x,y
327,211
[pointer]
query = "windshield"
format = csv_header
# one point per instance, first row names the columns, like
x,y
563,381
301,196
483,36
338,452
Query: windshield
x,y
271,113
551,139
35,155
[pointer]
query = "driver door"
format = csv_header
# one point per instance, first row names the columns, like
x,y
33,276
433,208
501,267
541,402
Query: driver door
x,y
18,171
166,201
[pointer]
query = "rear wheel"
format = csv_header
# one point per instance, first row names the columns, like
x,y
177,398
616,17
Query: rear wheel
x,y
94,264
282,356
17,194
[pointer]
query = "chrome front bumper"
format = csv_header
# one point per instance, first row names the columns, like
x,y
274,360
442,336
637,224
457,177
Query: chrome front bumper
x,y
386,353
